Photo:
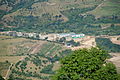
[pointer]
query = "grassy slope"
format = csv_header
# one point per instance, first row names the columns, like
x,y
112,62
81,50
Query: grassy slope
x,y
14,46
107,45
3,68
8,47
53,7
107,8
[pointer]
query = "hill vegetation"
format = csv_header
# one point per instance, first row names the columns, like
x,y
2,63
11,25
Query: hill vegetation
x,y
11,46
53,16
107,8
107,45
40,65
58,16
86,64
10,6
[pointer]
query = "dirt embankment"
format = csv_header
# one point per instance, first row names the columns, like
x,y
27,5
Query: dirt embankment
x,y
115,60
114,40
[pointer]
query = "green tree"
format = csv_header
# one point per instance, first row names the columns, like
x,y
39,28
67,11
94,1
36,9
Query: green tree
x,y
63,39
47,69
86,64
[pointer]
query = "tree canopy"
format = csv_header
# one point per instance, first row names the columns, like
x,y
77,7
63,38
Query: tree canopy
x,y
86,64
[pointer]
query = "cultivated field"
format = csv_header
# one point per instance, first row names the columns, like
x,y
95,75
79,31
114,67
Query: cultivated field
x,y
14,46
13,50
40,64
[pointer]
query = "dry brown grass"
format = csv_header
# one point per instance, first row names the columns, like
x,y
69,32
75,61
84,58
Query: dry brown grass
x,y
11,59
12,46
56,66
6,44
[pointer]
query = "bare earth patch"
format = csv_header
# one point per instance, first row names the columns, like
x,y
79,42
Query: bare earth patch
x,y
115,60
87,42
11,59
114,40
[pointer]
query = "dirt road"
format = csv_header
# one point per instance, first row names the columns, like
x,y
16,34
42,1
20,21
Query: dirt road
x,y
8,72
33,50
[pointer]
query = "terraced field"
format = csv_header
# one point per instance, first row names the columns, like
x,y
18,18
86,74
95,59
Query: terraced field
x,y
40,65
50,48
12,50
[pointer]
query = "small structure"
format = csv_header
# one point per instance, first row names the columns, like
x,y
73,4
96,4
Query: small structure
x,y
65,34
71,35
74,36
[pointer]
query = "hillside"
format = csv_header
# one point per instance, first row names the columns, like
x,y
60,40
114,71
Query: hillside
x,y
107,8
34,56
52,16
29,59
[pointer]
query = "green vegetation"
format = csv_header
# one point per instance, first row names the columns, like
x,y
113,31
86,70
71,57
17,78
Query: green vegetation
x,y
73,43
1,78
68,43
47,69
58,16
36,61
12,46
112,30
107,8
3,67
17,5
107,45
62,40
118,38
40,65
86,64
23,65
77,23
50,49
80,19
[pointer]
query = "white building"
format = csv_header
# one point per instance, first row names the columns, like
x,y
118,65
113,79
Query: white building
x,y
78,35
64,35
19,34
